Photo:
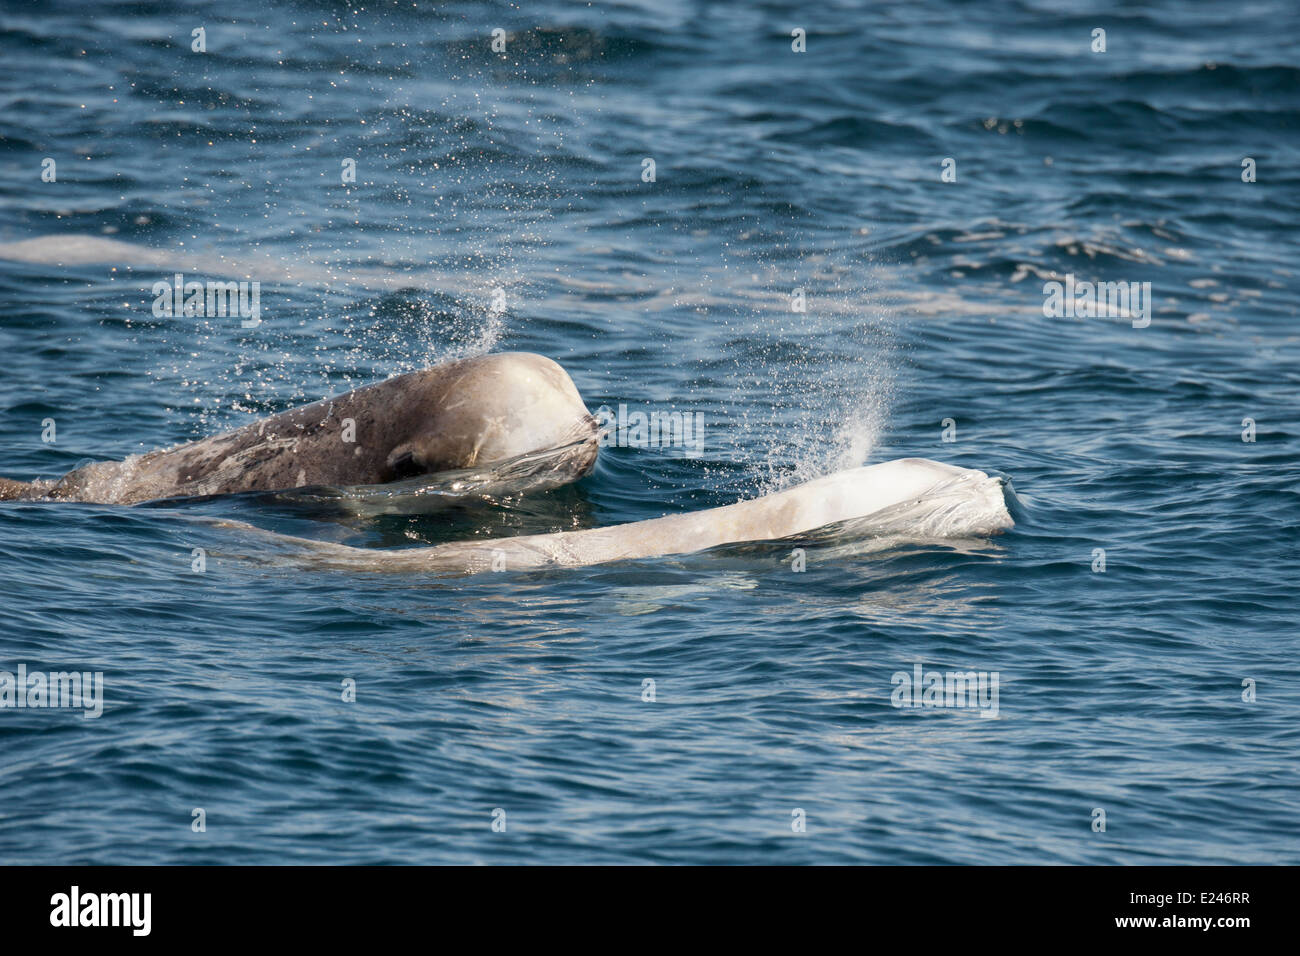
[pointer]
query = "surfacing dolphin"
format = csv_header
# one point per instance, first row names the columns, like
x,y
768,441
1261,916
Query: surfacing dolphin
x,y
465,414
916,497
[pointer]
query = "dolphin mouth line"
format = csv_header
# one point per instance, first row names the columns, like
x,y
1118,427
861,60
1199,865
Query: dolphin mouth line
x,y
531,467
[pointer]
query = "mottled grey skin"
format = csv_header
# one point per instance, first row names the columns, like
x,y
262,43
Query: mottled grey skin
x,y
459,415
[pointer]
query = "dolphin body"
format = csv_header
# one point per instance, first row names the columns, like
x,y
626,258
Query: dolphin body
x,y
916,497
466,414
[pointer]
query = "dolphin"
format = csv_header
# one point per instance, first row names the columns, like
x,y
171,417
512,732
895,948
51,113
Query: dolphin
x,y
913,496
465,414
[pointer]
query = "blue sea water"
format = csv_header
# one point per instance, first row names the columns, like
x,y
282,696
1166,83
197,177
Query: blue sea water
x,y
1125,690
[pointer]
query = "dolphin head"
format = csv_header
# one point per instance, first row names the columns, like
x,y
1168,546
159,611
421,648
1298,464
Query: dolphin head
x,y
496,408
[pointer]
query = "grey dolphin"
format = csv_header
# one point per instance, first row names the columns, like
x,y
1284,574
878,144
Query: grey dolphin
x,y
462,414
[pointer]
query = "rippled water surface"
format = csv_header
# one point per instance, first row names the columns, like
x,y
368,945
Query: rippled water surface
x,y
1123,690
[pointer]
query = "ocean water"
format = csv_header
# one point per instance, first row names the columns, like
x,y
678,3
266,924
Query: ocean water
x,y
1161,691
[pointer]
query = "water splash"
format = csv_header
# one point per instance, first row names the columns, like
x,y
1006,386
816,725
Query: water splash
x,y
828,405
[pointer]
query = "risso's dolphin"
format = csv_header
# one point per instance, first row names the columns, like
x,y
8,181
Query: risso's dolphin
x,y
914,496
465,414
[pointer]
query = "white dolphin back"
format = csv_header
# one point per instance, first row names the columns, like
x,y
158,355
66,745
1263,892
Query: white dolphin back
x,y
913,496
